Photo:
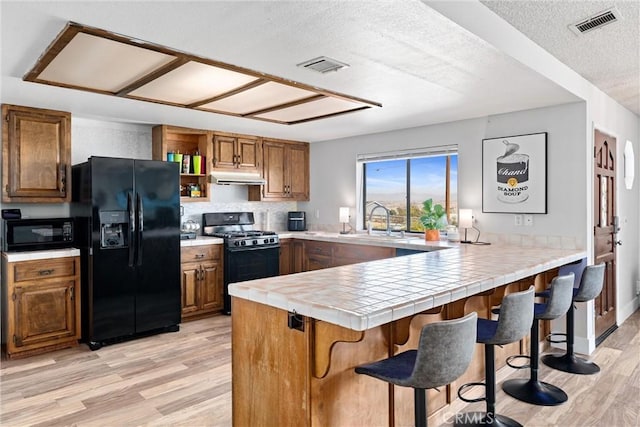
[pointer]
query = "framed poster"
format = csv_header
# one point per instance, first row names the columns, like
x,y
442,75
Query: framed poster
x,y
514,174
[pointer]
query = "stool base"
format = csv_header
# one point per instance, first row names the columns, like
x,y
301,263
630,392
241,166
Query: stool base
x,y
535,392
570,363
482,419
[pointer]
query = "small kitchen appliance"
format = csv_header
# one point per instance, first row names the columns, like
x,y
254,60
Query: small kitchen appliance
x,y
36,234
297,221
248,254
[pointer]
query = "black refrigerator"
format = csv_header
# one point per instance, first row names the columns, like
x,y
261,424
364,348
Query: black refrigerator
x,y
128,227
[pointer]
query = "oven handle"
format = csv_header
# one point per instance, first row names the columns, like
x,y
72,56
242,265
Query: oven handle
x,y
252,248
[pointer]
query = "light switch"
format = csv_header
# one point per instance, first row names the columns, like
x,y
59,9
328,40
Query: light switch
x,y
518,220
528,220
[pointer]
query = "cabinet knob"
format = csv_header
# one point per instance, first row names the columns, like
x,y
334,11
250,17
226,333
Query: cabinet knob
x,y
199,256
45,272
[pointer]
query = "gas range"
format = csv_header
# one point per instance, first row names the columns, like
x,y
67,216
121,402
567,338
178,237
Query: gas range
x,y
236,228
248,254
249,238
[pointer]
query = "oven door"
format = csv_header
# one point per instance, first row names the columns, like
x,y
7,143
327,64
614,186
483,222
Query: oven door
x,y
241,264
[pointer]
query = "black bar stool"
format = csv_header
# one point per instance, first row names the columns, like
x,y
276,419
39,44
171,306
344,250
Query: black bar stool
x,y
591,284
532,390
444,352
516,318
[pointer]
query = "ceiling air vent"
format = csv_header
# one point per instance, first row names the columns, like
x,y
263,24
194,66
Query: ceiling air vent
x,y
323,65
596,21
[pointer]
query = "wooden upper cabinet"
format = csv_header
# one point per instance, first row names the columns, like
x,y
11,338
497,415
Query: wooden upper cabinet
x,y
36,155
236,153
286,170
174,139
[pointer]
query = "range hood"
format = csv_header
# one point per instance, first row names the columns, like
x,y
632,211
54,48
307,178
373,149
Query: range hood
x,y
236,178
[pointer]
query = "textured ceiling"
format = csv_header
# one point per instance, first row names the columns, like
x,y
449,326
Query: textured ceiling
x,y
608,57
422,67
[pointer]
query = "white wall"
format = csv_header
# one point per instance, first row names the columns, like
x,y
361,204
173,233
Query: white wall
x,y
334,183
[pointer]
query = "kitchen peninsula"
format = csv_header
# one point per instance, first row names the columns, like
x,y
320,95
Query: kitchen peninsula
x,y
297,338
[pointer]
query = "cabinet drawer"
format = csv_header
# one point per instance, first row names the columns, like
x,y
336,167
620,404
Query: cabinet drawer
x,y
199,253
42,269
319,248
363,253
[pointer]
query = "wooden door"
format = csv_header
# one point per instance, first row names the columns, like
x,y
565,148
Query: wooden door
x,y
190,276
211,285
224,152
44,313
285,257
604,229
36,155
298,164
274,170
249,154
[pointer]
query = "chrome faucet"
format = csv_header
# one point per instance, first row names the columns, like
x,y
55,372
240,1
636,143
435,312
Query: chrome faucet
x,y
378,205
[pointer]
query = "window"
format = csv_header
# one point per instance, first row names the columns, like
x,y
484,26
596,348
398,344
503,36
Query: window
x,y
401,182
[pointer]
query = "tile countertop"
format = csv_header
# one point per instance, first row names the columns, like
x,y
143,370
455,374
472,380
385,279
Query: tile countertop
x,y
409,241
36,255
366,295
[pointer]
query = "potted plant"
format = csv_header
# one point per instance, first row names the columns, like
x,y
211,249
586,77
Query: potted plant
x,y
433,219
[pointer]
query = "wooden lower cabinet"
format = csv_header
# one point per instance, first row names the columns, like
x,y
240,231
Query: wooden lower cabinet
x,y
319,255
286,376
42,305
202,281
285,257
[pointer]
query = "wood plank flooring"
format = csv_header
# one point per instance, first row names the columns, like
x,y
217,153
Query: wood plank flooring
x,y
184,379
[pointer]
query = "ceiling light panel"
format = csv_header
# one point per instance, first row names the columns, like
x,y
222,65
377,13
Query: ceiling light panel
x,y
258,98
101,64
315,109
192,82
100,61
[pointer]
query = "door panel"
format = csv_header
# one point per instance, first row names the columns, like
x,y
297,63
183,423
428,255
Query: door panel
x,y
158,266
112,282
604,229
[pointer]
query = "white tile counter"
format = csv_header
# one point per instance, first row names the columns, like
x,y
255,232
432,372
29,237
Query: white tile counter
x,y
409,241
36,255
366,295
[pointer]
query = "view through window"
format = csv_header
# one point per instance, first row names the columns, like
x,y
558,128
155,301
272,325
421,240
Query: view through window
x,y
402,185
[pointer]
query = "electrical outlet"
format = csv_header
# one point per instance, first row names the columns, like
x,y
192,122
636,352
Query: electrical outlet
x,y
528,220
317,213
518,220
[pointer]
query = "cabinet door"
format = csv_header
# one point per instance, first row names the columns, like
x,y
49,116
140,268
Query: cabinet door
x,y
285,257
248,153
36,155
224,152
211,286
190,282
298,258
274,170
298,177
44,313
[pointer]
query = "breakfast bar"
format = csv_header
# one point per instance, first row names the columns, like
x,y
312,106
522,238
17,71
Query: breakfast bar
x,y
297,338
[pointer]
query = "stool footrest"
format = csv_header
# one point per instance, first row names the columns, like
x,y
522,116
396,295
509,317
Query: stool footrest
x,y
519,356
466,386
550,338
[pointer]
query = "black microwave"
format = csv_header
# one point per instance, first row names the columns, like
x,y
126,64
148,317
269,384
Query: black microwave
x,y
35,234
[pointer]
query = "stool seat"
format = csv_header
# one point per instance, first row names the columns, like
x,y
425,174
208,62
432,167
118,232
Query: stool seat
x,y
514,321
531,390
591,283
444,352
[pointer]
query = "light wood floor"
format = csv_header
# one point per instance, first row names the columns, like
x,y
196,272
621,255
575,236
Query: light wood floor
x,y
184,378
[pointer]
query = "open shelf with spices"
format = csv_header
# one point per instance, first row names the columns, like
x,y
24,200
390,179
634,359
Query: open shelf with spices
x,y
186,146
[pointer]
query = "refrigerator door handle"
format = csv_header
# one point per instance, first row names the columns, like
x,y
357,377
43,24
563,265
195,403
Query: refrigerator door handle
x,y
140,210
132,228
